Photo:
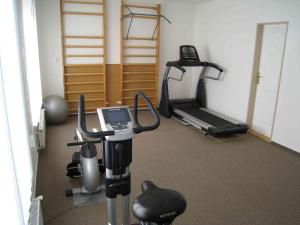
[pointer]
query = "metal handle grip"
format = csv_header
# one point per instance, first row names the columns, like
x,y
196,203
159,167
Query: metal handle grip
x,y
176,65
83,142
139,128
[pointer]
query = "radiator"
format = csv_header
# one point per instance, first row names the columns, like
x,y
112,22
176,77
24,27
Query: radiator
x,y
36,215
38,143
42,131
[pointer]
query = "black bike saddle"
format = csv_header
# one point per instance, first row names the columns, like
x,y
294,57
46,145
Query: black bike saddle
x,y
158,205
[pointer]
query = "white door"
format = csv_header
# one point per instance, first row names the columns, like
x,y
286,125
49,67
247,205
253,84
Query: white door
x,y
268,78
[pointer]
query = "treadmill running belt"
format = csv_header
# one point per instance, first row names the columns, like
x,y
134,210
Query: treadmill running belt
x,y
207,117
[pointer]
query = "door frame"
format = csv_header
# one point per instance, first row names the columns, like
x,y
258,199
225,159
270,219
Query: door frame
x,y
255,70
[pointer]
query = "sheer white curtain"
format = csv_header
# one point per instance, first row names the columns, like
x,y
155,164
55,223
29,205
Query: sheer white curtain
x,y
11,211
16,168
32,67
32,64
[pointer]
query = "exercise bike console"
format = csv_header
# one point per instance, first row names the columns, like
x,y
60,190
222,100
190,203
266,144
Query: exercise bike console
x,y
117,119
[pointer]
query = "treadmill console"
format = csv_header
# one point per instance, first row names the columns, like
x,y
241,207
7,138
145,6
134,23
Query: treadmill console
x,y
118,119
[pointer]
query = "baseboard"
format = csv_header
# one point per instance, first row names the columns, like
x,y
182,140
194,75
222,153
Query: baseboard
x,y
285,148
261,136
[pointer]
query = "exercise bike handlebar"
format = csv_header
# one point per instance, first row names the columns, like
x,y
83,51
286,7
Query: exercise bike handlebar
x,y
139,128
82,126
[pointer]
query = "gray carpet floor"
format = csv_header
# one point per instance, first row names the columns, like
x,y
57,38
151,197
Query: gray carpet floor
x,y
240,181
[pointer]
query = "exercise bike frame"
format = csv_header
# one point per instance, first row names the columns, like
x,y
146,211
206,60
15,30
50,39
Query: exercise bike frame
x,y
117,155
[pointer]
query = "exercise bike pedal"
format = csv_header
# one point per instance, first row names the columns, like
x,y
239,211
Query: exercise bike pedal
x,y
72,170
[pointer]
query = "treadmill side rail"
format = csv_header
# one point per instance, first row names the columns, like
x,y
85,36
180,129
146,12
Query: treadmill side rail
x,y
200,124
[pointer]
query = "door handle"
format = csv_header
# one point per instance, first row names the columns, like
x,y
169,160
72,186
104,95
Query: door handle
x,y
258,76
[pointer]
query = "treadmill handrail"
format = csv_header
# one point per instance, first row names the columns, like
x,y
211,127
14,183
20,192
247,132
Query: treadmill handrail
x,y
176,65
213,65
179,65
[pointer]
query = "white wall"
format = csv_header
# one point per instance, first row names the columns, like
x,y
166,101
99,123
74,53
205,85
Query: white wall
x,y
113,32
180,32
225,34
48,21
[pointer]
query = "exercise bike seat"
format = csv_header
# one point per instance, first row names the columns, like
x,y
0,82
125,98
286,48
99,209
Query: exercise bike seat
x,y
158,205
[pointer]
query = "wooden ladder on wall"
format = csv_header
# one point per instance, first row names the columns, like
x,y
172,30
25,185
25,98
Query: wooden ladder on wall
x,y
139,52
83,53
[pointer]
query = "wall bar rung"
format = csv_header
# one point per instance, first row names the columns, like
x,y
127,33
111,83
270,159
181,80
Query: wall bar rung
x,y
139,89
128,98
83,13
83,56
81,2
140,6
141,56
140,38
83,37
82,74
88,100
140,47
143,17
80,83
83,91
83,46
139,64
80,65
138,72
138,81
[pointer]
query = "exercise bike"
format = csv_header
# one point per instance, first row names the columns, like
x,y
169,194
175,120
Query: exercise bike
x,y
155,205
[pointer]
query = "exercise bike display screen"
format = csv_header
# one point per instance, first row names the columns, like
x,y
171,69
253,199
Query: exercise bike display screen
x,y
116,115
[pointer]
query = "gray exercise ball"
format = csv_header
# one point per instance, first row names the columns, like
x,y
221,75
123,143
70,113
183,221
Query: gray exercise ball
x,y
56,109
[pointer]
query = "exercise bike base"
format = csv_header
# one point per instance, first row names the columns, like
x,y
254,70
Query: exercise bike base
x,y
80,198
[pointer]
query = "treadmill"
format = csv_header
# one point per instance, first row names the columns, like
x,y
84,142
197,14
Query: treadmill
x,y
194,111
